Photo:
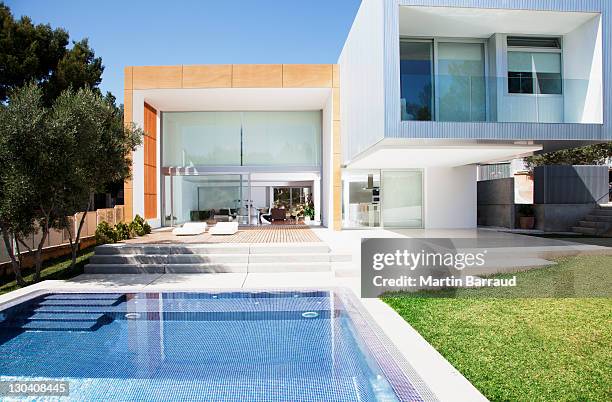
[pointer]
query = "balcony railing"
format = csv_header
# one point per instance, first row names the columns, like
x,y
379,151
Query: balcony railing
x,y
468,98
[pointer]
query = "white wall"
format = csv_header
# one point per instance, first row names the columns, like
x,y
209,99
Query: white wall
x,y
362,105
450,197
582,73
327,160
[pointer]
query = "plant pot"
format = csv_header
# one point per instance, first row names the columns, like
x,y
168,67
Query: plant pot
x,y
527,222
307,220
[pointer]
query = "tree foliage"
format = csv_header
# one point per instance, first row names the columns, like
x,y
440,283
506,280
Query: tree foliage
x,y
54,159
41,54
597,154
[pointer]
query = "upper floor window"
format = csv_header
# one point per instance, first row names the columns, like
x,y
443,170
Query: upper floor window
x,y
442,80
534,65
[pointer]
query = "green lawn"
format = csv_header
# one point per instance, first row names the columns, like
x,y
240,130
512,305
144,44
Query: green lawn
x,y
515,348
57,268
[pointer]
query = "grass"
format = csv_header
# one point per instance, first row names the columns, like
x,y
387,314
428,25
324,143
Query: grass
x,y
513,347
56,268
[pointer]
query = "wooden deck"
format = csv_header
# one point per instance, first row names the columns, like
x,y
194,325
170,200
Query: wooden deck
x,y
246,234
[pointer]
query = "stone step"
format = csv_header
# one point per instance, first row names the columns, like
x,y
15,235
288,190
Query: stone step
x,y
166,249
79,302
602,211
586,231
163,259
59,325
266,267
295,257
65,316
88,296
270,266
206,268
124,269
204,249
598,218
289,248
594,224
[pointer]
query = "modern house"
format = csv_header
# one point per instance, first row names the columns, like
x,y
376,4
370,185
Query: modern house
x,y
391,135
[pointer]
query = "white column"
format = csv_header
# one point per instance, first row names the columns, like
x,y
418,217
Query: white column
x,y
316,198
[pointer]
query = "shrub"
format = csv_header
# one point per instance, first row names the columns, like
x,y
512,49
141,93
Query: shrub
x,y
123,231
140,226
105,233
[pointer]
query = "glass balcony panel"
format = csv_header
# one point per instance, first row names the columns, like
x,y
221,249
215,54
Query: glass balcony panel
x,y
521,97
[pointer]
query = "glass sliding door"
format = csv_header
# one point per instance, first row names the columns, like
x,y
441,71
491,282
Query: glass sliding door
x,y
402,199
416,79
206,198
361,199
461,86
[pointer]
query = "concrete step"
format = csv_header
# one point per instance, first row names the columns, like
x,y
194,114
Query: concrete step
x,y
586,231
295,257
594,224
59,325
346,270
268,266
65,317
602,211
265,267
124,269
163,259
166,249
206,268
289,248
77,302
89,296
598,218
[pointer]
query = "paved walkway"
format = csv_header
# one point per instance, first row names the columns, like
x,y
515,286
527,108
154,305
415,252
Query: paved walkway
x,y
248,234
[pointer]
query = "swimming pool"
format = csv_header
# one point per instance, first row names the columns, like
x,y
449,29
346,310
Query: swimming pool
x,y
233,346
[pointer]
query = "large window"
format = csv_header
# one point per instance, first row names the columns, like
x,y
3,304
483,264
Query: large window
x,y
461,83
534,66
442,80
416,79
241,139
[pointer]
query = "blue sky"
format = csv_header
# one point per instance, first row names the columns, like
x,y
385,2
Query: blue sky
x,y
157,32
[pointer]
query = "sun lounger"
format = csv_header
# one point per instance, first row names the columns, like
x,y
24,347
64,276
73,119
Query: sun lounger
x,y
190,229
224,228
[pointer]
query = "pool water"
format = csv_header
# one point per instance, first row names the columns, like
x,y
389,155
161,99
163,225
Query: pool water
x,y
263,346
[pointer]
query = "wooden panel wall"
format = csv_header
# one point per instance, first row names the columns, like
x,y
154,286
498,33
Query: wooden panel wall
x,y
234,76
150,162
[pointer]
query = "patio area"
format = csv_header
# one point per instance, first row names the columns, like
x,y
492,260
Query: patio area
x,y
246,234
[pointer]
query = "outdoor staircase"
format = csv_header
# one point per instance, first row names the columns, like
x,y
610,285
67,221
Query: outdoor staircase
x,y
213,258
597,223
64,312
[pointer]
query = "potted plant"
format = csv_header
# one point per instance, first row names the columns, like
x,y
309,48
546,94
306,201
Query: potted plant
x,y
526,216
308,214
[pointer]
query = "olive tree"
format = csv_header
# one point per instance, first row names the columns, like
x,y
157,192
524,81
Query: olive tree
x,y
51,162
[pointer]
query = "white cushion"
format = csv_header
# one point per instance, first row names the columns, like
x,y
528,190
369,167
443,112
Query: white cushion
x,y
190,229
224,228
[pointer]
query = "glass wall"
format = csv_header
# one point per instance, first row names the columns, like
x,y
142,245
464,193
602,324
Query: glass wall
x,y
461,86
416,79
201,139
387,198
208,198
360,199
402,198
241,139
